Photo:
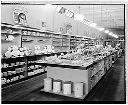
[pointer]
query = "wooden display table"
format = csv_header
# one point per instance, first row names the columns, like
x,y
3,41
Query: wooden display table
x,y
89,75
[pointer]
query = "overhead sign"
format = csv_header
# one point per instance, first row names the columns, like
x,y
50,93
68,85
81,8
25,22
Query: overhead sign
x,y
65,11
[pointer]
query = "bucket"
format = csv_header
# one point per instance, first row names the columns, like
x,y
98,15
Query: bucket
x,y
67,88
78,89
56,86
47,84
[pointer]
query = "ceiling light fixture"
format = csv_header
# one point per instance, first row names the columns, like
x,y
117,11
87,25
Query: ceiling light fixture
x,y
110,33
106,31
92,24
114,35
101,29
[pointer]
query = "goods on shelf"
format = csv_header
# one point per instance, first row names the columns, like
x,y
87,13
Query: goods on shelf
x,y
5,74
46,50
14,51
37,49
21,76
3,81
30,73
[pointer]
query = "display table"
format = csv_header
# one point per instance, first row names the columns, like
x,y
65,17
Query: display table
x,y
88,75
119,52
115,55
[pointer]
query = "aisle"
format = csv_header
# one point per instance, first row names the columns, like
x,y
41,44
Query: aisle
x,y
110,88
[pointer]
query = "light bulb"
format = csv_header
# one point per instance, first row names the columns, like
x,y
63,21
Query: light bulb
x,y
110,33
106,31
101,29
114,35
93,24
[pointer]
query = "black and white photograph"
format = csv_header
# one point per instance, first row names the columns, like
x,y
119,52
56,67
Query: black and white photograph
x,y
70,52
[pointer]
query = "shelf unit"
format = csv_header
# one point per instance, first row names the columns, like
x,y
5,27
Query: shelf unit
x,y
13,69
28,36
61,42
11,72
20,80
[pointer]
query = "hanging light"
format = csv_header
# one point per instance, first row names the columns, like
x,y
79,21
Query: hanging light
x,y
106,31
101,29
114,35
92,24
110,33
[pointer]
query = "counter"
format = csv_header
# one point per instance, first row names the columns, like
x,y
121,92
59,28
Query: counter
x,y
88,75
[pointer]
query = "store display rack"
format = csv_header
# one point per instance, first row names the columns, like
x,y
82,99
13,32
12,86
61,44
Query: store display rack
x,y
64,40
21,80
32,34
26,60
90,76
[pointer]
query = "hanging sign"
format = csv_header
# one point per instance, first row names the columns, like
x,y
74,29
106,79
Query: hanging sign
x,y
20,16
65,11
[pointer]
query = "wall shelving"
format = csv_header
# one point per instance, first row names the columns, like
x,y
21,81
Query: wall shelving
x,y
28,36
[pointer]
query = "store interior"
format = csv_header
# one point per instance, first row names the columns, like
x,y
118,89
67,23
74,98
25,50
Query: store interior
x,y
62,52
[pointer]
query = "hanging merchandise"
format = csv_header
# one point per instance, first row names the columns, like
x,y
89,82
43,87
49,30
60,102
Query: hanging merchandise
x,y
20,16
